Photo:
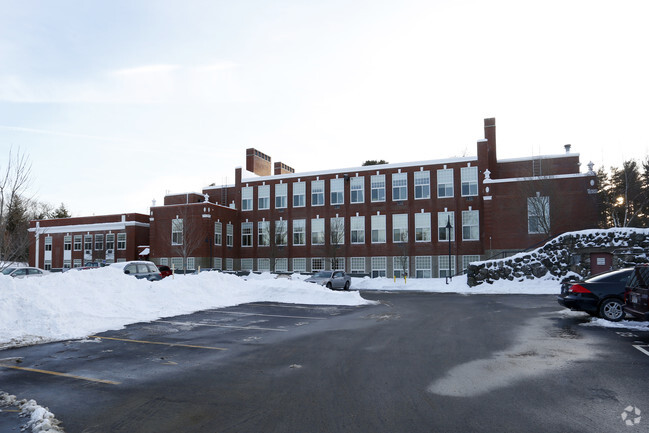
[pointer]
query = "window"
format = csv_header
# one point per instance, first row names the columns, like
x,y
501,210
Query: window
x,y
281,232
317,193
399,186
246,198
67,243
263,265
218,263
378,229
87,242
246,264
281,191
358,265
99,242
357,189
468,259
445,183
538,214
78,242
299,265
263,197
191,263
357,226
337,187
229,236
281,265
317,264
317,231
337,230
263,233
377,183
299,232
177,231
469,177
177,263
110,241
121,241
299,192
443,266
48,265
48,243
338,264
422,227
218,233
400,266
422,185
423,266
470,227
164,261
66,263
246,234
400,228
229,264
378,267
442,219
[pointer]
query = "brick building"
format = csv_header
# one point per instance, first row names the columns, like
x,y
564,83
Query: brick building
x,y
382,220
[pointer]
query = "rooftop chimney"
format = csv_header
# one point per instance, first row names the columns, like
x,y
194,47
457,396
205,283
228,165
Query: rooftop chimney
x,y
567,146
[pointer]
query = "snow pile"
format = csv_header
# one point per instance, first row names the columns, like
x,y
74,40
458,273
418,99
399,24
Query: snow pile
x,y
76,304
41,420
553,260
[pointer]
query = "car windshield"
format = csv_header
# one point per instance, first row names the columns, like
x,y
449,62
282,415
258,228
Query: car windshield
x,y
7,271
323,274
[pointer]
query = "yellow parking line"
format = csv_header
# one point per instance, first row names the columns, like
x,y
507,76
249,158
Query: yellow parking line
x,y
55,373
157,342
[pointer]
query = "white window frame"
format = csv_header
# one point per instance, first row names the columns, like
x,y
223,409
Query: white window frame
x,y
78,242
470,225
217,263
263,197
422,184
229,264
442,266
177,231
337,191
468,259
263,233
469,179
317,264
377,187
317,193
378,224
442,220
281,232
191,263
534,221
299,232
177,263
299,194
445,183
218,233
67,242
422,227
397,268
399,228
357,229
247,264
247,193
281,194
229,236
87,242
263,264
357,189
121,241
281,264
423,267
246,235
110,241
317,231
337,223
379,267
299,264
357,265
48,243
399,186
99,241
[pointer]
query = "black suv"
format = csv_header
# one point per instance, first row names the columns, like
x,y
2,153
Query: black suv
x,y
637,293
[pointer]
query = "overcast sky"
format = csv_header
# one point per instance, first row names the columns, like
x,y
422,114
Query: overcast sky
x,y
117,102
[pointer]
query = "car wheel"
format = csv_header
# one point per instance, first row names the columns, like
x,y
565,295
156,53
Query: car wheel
x,y
611,309
346,285
329,286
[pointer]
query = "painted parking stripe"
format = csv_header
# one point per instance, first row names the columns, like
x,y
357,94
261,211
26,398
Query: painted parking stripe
x,y
642,348
127,340
56,373
237,313
249,328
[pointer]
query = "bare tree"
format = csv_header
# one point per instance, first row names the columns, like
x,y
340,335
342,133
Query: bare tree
x,y
186,234
404,254
274,237
539,194
336,240
14,222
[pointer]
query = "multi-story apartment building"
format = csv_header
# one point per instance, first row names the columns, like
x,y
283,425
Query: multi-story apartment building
x,y
425,218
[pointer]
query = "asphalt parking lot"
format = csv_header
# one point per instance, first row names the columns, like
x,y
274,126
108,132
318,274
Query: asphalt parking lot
x,y
413,362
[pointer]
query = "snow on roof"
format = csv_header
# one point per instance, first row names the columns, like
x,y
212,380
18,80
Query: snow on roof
x,y
534,178
532,158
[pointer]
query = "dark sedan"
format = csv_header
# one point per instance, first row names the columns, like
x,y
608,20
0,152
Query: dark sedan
x,y
600,295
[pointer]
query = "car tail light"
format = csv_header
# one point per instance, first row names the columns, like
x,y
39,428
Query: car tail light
x,y
576,288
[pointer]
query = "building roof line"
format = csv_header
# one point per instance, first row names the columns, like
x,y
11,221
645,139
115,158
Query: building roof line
x,y
535,178
532,158
117,225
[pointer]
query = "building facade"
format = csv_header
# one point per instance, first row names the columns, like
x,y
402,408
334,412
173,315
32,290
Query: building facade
x,y
424,219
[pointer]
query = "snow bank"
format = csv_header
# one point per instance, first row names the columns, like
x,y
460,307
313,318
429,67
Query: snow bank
x,y
76,304
41,420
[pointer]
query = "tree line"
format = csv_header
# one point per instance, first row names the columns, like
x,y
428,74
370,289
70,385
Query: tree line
x,y
623,195
18,208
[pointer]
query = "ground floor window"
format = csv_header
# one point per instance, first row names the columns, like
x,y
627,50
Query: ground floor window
x,y
164,261
378,267
299,265
468,259
229,264
423,266
358,265
400,266
76,263
177,263
191,263
246,264
48,265
317,264
263,265
281,265
338,264
67,264
444,265
218,263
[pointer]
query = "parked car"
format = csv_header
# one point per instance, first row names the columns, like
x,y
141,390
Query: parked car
x,y
165,271
24,272
637,293
140,269
599,295
331,279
